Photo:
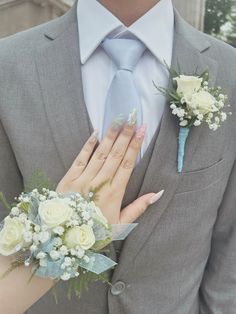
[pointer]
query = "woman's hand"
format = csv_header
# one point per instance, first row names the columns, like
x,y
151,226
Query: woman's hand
x,y
112,162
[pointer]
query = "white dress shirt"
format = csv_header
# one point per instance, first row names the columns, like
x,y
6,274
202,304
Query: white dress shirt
x,y
155,29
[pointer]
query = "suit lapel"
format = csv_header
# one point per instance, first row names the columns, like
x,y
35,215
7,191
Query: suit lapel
x,y
59,70
161,172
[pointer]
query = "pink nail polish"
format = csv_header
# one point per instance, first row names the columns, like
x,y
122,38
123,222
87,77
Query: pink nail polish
x,y
156,197
140,132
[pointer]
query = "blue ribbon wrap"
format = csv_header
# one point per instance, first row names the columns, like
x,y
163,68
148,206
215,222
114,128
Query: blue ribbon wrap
x,y
183,135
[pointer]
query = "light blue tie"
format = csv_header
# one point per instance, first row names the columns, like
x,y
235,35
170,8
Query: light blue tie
x,y
122,95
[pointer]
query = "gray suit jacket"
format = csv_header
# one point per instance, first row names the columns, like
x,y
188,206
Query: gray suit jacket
x,y
182,257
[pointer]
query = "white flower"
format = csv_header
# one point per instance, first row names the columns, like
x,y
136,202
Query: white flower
x,y
53,194
221,96
23,217
54,254
40,255
210,115
221,104
54,212
44,236
28,236
173,106
67,261
80,236
65,276
203,102
11,236
197,122
36,237
184,123
217,120
187,85
86,259
80,253
63,250
37,228
200,116
15,211
223,116
58,241
33,248
59,230
213,126
181,113
43,262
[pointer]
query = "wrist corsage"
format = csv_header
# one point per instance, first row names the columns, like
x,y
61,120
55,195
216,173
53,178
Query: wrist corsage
x,y
62,236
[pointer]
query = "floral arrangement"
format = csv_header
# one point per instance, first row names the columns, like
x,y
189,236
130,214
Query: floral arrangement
x,y
194,102
62,236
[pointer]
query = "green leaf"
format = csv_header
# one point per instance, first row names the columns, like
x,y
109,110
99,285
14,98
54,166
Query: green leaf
x,y
38,180
4,201
77,285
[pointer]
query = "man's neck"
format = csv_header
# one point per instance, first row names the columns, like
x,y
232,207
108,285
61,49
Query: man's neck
x,y
128,11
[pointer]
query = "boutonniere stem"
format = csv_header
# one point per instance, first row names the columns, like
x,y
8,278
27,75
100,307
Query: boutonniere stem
x,y
183,135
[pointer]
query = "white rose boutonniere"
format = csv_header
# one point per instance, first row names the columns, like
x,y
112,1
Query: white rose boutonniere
x,y
194,102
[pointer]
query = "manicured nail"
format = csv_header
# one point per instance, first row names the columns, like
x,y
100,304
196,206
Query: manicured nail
x,y
118,122
132,119
156,197
94,137
140,132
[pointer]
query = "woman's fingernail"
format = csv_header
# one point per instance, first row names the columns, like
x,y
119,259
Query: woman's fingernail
x,y
118,122
94,137
156,197
132,119
140,132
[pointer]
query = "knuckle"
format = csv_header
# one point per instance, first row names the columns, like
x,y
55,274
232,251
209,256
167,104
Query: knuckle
x,y
116,153
135,145
127,164
128,131
88,147
111,135
80,163
100,155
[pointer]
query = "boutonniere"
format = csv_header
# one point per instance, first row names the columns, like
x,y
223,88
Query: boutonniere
x,y
194,102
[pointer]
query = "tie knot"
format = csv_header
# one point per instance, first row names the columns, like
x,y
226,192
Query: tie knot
x,y
125,53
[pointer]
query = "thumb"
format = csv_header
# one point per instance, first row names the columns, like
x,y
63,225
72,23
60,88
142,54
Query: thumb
x,y
132,212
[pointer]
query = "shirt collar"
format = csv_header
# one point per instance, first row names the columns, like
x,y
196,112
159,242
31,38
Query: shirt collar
x,y
155,28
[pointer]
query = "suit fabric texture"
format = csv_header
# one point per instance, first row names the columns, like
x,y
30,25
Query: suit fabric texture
x,y
181,258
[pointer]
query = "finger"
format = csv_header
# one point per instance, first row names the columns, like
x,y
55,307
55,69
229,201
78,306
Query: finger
x,y
82,159
133,211
102,151
126,167
117,153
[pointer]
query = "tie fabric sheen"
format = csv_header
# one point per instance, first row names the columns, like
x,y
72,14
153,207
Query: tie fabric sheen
x,y
122,97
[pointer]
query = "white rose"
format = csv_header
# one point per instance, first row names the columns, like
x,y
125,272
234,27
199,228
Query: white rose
x,y
80,236
54,212
11,236
187,85
203,102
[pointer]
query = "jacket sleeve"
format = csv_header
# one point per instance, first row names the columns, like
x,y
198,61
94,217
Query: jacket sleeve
x,y
11,183
218,287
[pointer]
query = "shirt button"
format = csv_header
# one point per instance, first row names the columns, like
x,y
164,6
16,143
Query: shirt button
x,y
118,288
